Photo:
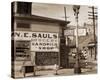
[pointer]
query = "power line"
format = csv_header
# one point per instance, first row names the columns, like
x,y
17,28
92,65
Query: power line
x,y
93,16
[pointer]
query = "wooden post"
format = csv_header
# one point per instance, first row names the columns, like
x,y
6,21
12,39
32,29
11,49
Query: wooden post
x,y
33,61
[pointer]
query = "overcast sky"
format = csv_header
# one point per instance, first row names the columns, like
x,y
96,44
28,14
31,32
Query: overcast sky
x,y
57,11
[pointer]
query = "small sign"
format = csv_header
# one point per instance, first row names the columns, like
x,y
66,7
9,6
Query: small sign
x,y
69,32
72,32
81,32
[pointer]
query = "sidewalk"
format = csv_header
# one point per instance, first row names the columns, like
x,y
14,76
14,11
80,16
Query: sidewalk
x,y
64,72
61,72
90,69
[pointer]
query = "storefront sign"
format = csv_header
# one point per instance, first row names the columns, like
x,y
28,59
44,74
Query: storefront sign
x,y
39,41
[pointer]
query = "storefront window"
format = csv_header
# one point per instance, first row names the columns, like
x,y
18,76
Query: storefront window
x,y
22,50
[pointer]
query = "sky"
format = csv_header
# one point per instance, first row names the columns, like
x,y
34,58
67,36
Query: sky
x,y
57,11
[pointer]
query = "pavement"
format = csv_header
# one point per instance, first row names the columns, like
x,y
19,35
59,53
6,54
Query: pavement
x,y
90,69
64,72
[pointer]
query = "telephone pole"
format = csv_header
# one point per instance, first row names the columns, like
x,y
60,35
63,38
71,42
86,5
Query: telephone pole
x,y
77,68
93,15
67,46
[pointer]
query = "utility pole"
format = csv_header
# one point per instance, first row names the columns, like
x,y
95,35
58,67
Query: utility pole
x,y
63,56
67,46
93,16
65,14
77,68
